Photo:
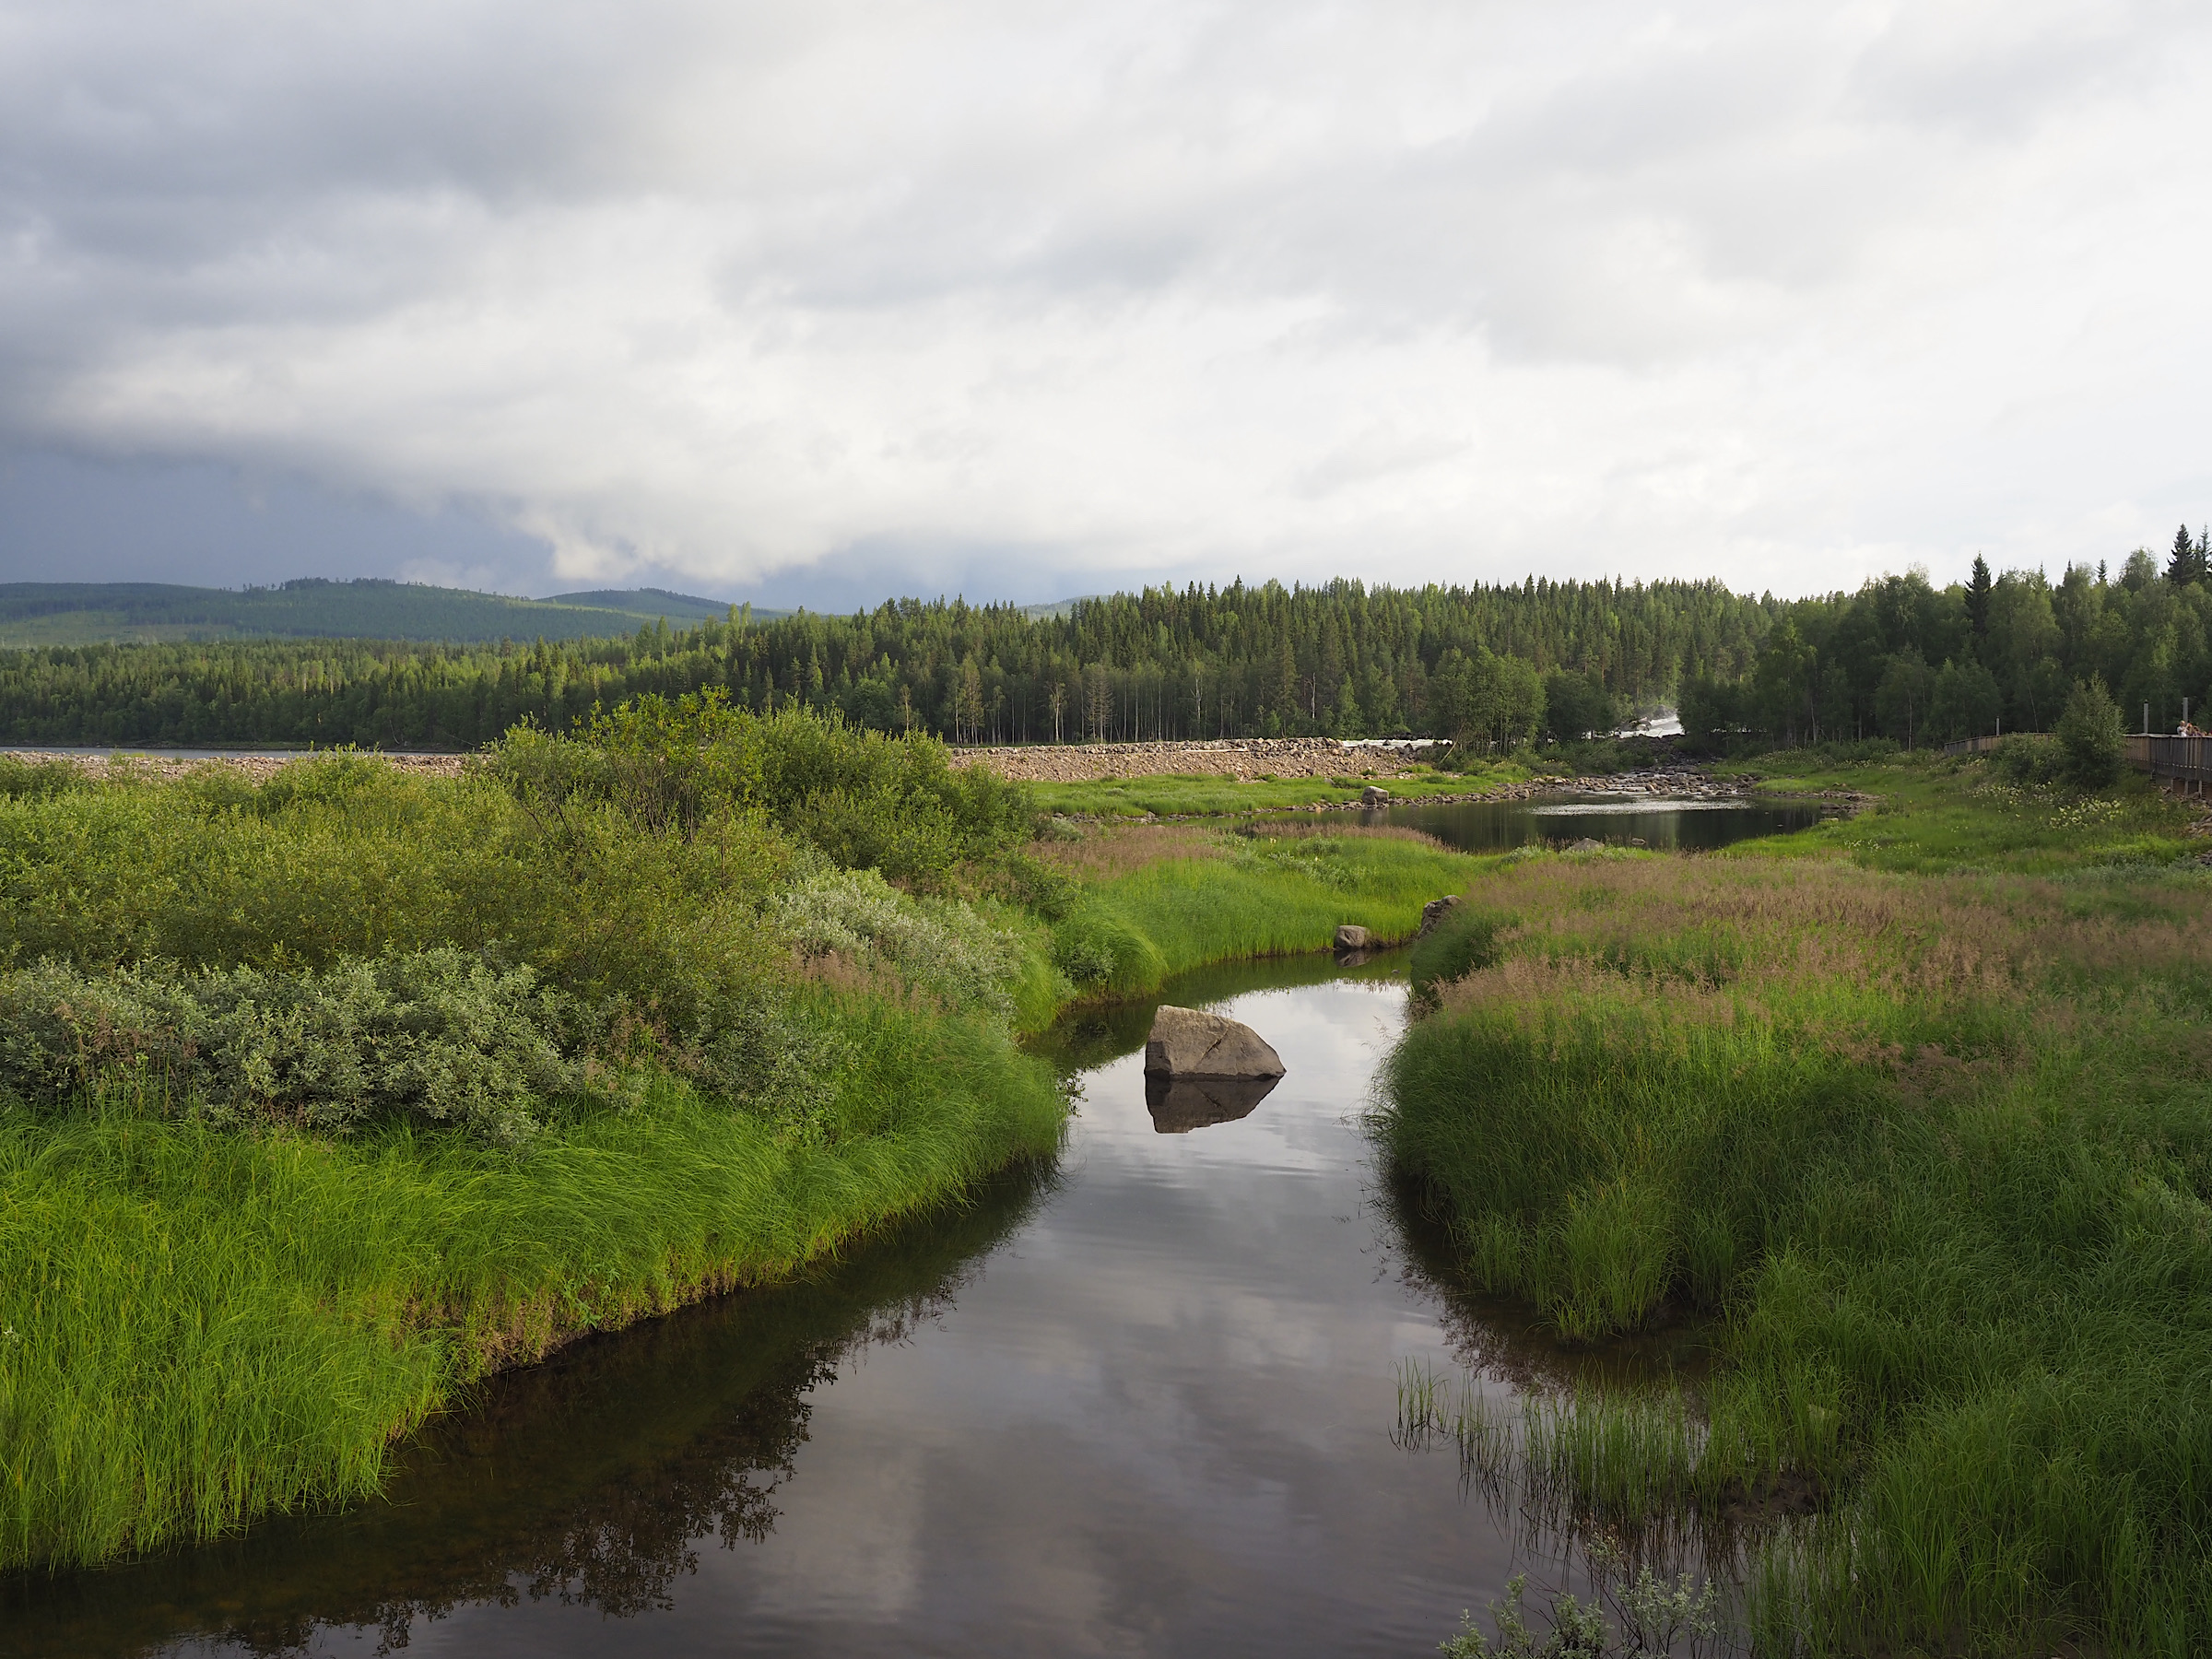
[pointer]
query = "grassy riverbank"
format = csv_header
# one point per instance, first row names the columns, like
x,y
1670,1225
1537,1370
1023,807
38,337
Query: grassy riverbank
x,y
1196,794
321,1098
1919,1105
1145,904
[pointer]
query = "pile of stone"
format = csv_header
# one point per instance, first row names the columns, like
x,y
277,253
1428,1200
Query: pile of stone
x,y
1225,758
258,768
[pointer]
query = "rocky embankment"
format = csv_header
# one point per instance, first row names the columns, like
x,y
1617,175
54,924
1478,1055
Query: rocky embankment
x,y
1225,758
259,768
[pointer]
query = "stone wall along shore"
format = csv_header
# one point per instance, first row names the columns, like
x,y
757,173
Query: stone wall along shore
x,y
1225,756
260,769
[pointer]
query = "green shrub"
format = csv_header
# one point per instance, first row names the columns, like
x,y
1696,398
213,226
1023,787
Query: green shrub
x,y
941,946
2089,738
2027,758
436,1037
19,777
865,799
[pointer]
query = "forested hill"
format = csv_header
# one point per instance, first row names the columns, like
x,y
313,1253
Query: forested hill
x,y
1343,660
83,613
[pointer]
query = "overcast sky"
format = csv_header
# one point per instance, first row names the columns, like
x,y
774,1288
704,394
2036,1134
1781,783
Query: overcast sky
x,y
833,300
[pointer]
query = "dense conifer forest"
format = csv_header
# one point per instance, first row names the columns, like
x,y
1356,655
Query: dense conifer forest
x,y
1900,658
1265,661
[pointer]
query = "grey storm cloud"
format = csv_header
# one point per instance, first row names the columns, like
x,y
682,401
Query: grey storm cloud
x,y
1054,297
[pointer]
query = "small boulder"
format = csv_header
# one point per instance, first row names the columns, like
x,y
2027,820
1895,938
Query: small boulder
x,y
1187,1043
1352,937
1586,845
1374,794
1434,911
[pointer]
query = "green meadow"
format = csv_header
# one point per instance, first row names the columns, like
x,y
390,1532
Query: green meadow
x,y
1911,1114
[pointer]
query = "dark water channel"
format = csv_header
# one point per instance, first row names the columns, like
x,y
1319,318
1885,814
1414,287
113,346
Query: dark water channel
x,y
1622,820
1141,1404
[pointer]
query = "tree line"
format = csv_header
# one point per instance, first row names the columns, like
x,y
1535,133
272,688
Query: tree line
x,y
1905,660
1507,663
1497,665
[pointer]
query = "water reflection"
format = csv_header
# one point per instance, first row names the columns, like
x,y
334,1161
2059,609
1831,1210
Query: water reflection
x,y
1692,825
1182,1104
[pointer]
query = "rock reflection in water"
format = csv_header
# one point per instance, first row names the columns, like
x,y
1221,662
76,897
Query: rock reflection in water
x,y
590,1480
1182,1104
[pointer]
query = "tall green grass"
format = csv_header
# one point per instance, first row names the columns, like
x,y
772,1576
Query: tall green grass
x,y
1243,896
1205,795
204,1326
1937,1154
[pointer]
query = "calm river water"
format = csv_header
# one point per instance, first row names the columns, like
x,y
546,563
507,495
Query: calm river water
x,y
1140,1404
1620,820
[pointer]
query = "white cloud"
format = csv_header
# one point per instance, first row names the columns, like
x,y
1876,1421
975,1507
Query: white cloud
x,y
1410,291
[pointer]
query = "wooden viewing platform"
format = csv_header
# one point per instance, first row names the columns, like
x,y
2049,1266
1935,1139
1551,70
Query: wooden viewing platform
x,y
2187,759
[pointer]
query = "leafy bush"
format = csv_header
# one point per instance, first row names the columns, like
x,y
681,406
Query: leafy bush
x,y
941,946
2089,738
19,777
436,1037
2027,758
866,800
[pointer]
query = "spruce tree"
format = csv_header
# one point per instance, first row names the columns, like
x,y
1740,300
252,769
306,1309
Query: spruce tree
x,y
2187,565
1977,597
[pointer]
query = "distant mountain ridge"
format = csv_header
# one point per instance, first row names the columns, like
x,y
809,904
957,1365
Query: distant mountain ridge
x,y
653,602
85,613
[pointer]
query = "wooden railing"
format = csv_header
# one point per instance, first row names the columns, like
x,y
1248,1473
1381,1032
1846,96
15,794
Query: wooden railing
x,y
2188,758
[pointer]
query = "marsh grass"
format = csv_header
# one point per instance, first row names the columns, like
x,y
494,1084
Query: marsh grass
x,y
1199,794
1937,1154
1935,816
1615,1475
208,1325
326,1095
1231,898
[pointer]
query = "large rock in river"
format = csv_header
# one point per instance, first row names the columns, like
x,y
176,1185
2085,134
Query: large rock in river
x,y
1187,1043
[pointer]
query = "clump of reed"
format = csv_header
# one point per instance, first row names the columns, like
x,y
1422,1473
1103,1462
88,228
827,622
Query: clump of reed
x,y
1934,1153
1615,1475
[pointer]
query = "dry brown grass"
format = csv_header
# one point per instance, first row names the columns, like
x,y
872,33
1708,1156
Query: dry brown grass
x,y
1733,919
1657,953
1294,827
1124,849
